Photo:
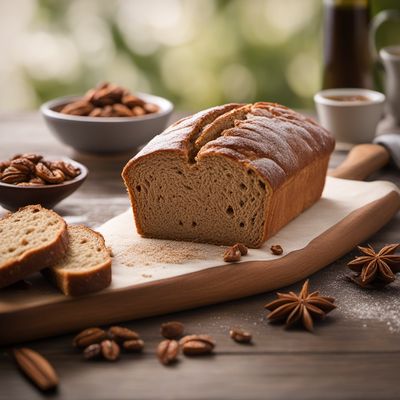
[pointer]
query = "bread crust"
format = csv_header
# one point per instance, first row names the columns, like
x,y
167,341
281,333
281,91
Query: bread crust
x,y
273,140
77,283
34,260
282,147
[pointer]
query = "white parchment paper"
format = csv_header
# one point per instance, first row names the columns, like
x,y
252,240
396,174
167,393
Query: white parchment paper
x,y
137,260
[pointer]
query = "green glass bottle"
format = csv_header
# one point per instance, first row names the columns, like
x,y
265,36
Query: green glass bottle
x,y
347,60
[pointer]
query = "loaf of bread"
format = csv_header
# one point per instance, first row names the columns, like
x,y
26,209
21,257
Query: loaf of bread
x,y
30,239
233,173
86,267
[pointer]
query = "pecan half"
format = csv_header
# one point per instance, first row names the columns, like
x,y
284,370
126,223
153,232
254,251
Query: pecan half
x,y
132,101
276,250
108,95
13,175
58,176
24,165
110,350
37,181
120,334
232,254
13,178
89,336
80,107
107,111
35,158
133,346
68,169
96,112
240,336
138,111
168,351
12,170
52,176
150,108
172,330
122,111
92,351
242,248
36,368
197,348
202,338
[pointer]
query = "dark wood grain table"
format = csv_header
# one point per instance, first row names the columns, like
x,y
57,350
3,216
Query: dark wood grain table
x,y
353,354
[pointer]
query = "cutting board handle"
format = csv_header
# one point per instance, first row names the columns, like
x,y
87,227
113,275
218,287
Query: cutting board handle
x,y
362,161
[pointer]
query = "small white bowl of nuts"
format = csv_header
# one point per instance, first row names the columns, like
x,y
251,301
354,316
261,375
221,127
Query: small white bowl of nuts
x,y
107,119
29,178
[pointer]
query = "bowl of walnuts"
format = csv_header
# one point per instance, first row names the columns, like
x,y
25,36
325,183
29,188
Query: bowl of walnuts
x,y
32,179
107,119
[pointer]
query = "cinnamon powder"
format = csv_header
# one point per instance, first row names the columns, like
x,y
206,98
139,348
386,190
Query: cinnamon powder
x,y
155,251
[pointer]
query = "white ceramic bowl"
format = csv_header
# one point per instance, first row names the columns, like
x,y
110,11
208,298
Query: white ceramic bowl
x,y
108,134
350,121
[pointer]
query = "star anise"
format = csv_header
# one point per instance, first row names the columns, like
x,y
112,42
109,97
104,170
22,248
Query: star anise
x,y
301,308
375,268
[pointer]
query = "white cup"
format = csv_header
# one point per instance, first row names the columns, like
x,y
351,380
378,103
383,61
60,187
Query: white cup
x,y
390,57
350,121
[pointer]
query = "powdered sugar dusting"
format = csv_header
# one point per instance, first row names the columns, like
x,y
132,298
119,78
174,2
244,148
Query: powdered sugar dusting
x,y
354,302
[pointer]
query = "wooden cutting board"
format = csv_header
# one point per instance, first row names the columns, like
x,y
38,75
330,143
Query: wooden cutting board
x,y
348,213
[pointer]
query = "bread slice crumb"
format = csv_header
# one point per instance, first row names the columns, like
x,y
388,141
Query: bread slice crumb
x,y
86,267
31,239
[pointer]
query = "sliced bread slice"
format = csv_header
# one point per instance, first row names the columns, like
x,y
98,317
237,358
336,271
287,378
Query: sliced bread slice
x,y
30,239
86,267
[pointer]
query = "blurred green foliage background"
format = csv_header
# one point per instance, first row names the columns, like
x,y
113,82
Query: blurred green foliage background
x,y
195,52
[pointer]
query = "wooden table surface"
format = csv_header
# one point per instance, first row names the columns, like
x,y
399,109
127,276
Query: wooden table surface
x,y
353,354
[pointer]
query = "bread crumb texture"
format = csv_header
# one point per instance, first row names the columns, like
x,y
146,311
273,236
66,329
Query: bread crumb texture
x,y
26,230
86,250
